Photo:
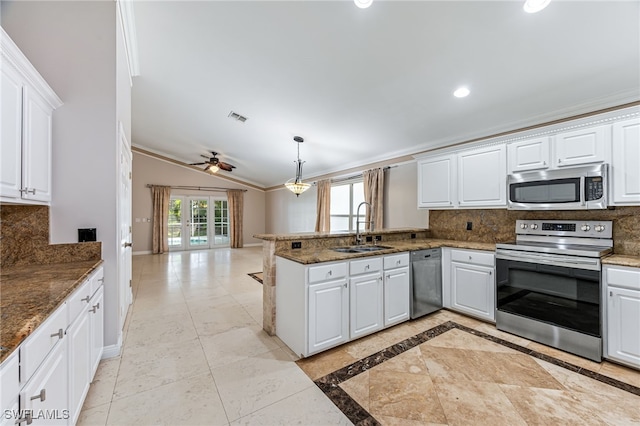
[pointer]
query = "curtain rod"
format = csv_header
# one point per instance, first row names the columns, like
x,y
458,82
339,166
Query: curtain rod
x,y
198,188
356,176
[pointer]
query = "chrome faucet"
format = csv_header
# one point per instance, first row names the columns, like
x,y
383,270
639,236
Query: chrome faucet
x,y
358,222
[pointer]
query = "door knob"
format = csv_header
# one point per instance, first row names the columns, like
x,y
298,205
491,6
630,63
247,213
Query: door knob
x,y
128,245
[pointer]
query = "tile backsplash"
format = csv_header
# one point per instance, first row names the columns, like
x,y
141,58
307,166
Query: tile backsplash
x,y
24,239
498,225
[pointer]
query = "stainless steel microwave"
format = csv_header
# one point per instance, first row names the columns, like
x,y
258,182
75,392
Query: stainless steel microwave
x,y
575,188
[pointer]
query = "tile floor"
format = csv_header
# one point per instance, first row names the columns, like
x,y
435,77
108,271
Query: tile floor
x,y
195,354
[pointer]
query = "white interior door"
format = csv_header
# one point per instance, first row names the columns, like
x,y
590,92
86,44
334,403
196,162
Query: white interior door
x,y
125,295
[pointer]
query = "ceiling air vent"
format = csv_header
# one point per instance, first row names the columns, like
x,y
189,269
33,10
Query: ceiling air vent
x,y
238,117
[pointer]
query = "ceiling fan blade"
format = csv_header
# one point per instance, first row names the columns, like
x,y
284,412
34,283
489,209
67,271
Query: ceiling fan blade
x,y
226,166
204,156
197,164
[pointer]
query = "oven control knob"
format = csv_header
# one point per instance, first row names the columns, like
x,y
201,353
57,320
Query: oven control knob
x,y
599,228
534,226
523,226
585,227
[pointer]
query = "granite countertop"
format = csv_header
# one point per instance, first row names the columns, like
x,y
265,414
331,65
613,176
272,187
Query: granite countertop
x,y
622,260
29,294
322,254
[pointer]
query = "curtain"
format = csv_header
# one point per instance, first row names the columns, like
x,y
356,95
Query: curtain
x,y
235,198
374,194
160,234
323,217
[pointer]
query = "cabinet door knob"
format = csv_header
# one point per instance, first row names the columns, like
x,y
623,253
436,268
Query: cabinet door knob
x,y
127,245
329,273
59,334
42,396
85,299
345,285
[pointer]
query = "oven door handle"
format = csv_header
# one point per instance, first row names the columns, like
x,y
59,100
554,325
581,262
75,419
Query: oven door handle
x,y
553,260
583,189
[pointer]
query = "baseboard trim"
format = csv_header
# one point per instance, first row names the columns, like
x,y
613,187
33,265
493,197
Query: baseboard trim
x,y
112,351
252,245
138,253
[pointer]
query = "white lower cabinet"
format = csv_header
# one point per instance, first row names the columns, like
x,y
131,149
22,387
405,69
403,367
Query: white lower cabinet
x,y
365,297
96,325
328,315
45,395
622,335
46,379
397,289
78,340
323,305
471,283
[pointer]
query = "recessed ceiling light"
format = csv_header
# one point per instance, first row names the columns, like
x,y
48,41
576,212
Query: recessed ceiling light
x,y
533,6
461,92
363,4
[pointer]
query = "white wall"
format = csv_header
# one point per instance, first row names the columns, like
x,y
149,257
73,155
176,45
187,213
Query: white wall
x,y
73,46
150,170
286,213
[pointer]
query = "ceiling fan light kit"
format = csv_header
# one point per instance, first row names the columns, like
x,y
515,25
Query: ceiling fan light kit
x,y
533,6
296,185
213,164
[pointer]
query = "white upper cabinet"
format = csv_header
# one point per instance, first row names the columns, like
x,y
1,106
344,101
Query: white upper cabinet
x,y
26,114
530,154
11,146
625,162
436,181
482,177
582,146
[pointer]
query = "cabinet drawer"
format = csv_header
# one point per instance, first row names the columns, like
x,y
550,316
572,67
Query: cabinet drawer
x,y
627,278
37,345
79,301
9,381
332,271
97,279
396,261
365,266
474,257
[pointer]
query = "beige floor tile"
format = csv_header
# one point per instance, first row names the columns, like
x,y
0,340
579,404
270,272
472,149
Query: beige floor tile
x,y
410,361
146,367
103,384
211,321
166,328
94,416
326,362
622,373
358,389
549,407
192,401
254,383
476,403
614,406
459,339
404,395
309,407
236,344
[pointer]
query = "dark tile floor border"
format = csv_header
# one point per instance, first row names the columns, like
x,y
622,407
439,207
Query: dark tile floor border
x,y
329,384
255,276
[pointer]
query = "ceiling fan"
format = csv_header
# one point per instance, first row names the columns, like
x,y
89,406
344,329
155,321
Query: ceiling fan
x,y
214,164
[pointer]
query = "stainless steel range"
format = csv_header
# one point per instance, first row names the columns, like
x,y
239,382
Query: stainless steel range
x,y
548,286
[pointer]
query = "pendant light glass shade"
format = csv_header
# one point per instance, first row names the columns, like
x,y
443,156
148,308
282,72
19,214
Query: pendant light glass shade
x,y
296,185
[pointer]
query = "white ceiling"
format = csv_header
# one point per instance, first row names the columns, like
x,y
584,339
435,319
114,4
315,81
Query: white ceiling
x,y
367,85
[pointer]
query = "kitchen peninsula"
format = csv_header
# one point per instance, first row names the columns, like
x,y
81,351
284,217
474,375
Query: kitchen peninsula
x,y
318,247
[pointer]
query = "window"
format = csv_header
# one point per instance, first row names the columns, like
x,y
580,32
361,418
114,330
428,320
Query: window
x,y
198,222
345,198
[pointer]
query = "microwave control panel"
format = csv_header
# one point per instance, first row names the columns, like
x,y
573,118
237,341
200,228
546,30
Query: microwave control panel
x,y
594,188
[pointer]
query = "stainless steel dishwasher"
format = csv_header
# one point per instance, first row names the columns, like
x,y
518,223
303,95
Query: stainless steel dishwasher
x,y
426,282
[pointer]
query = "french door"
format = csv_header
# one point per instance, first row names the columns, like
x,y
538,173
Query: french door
x,y
198,222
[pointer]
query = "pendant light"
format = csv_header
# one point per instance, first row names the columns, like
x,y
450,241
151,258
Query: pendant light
x,y
297,186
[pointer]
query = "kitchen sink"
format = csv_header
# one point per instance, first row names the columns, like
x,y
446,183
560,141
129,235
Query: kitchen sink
x,y
359,249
